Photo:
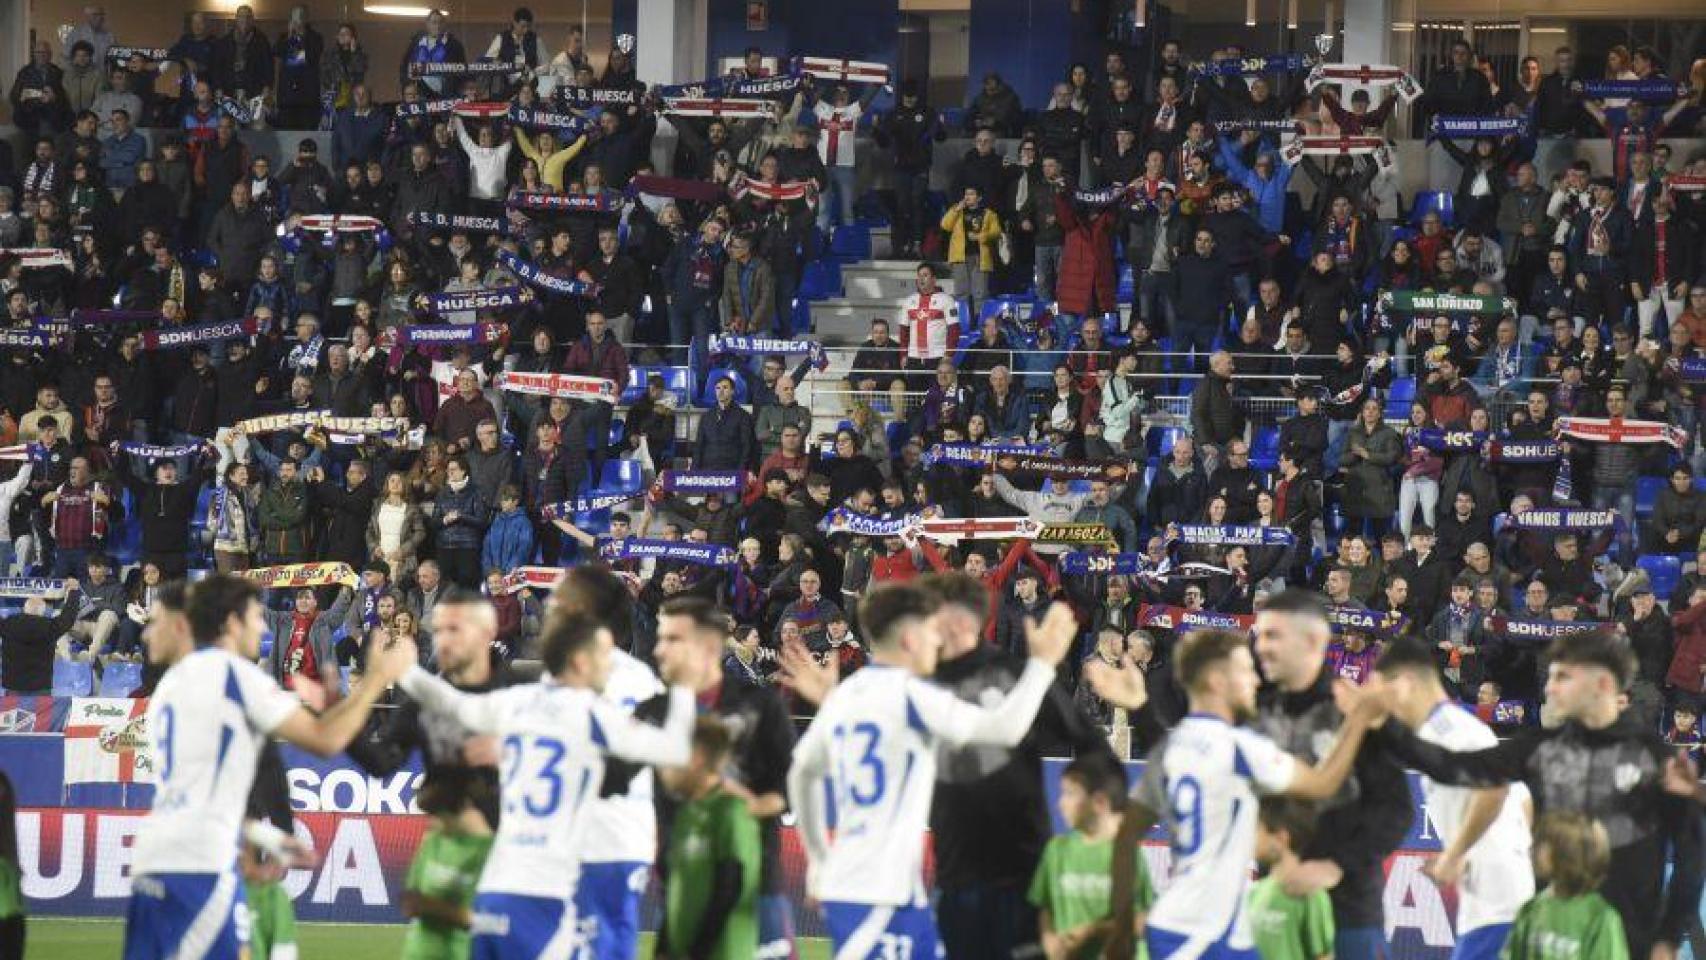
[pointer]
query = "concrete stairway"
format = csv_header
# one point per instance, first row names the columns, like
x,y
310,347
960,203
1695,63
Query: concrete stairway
x,y
871,289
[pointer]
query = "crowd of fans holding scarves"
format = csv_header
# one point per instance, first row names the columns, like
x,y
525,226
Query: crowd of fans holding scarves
x,y
364,381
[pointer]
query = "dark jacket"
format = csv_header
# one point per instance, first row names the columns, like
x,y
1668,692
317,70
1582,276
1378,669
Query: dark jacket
x,y
345,515
237,239
726,440
27,645
1215,417
468,530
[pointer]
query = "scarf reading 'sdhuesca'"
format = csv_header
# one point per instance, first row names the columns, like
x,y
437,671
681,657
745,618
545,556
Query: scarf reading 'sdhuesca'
x,y
1168,617
1252,66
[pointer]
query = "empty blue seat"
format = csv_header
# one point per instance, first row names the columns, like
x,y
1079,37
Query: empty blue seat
x,y
852,241
1665,572
626,475
1399,398
1161,440
121,678
1647,494
898,432
635,388
72,679
1264,450
820,279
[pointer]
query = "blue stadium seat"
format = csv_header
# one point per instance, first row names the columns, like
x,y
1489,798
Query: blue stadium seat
x,y
618,431
821,279
852,241
1264,450
1433,201
594,522
898,432
1647,494
121,678
1398,400
635,388
1161,440
1334,521
72,679
626,475
1665,572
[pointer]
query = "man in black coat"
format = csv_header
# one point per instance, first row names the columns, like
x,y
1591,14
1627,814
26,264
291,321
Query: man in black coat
x,y
345,509
982,167
164,508
28,640
1427,573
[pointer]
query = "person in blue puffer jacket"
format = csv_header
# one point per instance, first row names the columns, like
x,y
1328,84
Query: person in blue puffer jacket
x,y
459,521
509,541
1266,181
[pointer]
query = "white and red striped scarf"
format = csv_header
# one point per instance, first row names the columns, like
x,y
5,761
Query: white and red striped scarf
x,y
1681,183
1376,74
743,185
38,257
566,385
344,223
707,107
855,71
1620,430
533,578
988,528
481,109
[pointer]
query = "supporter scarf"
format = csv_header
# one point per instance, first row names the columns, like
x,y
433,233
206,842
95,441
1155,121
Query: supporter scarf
x,y
1105,197
718,87
1682,183
1163,616
341,223
1091,533
843,520
418,68
1013,464
593,501
701,482
742,109
19,452
30,339
1258,124
235,110
1375,75
500,298
675,188
743,186
530,273
52,328
151,54
564,123
458,222
683,551
1620,430
604,202
1425,302
1693,369
567,385
481,109
323,419
173,338
951,529
747,346
1252,66
532,578
419,334
1449,441
27,588
1467,128
36,258
853,71
1509,711
1542,631
977,455
1555,518
1294,149
1655,90
1515,451
293,575
1341,618
425,108
305,356
585,98
1229,536
1078,564
155,451
1564,482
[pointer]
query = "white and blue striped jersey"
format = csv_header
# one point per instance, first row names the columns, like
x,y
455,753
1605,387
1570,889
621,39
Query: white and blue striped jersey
x,y
624,828
1203,782
207,722
1499,875
554,741
873,746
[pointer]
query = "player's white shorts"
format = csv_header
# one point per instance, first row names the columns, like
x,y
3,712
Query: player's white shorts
x,y
187,916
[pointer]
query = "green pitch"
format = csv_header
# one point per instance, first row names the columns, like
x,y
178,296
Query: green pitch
x,y
55,938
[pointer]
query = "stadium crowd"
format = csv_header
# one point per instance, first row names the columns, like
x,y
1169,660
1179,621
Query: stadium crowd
x,y
490,336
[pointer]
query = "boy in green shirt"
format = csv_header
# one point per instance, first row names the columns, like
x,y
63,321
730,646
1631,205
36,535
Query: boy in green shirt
x,y
1568,920
711,895
439,890
1286,927
1071,885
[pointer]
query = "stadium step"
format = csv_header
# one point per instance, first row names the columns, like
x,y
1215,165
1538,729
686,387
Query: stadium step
x,y
873,288
863,282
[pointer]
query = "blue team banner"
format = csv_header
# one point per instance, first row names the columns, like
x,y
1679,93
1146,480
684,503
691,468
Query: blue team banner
x,y
718,88
158,451
1657,90
680,551
1693,369
1543,631
533,274
565,123
1243,536
1252,66
1522,451
1342,618
597,501
1465,128
458,222
978,455
500,298
1449,441
1080,563
700,482
843,520
1566,519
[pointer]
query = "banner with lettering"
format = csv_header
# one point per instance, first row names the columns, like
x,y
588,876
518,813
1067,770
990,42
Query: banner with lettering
x,y
1621,430
499,298
106,741
292,575
681,551
1229,536
569,385
1162,616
